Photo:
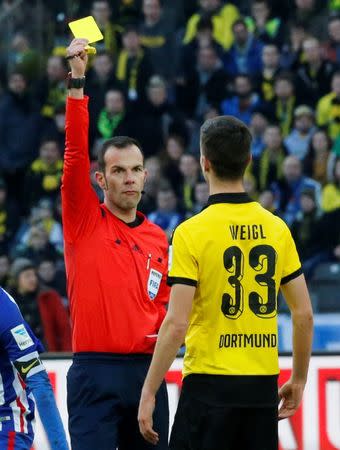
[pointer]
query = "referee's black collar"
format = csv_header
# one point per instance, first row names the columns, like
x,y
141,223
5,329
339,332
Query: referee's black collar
x,y
229,197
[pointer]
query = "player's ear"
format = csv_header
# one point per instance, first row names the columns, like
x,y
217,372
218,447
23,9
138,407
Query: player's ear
x,y
205,164
101,180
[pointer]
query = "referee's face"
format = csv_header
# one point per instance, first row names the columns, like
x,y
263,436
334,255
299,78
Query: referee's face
x,y
124,177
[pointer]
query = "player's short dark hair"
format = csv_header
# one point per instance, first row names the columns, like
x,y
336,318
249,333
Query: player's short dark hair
x,y
120,142
225,142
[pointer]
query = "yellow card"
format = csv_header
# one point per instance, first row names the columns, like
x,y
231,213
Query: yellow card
x,y
86,28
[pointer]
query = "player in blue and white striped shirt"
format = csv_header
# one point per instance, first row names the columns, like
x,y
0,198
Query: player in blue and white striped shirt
x,y
24,383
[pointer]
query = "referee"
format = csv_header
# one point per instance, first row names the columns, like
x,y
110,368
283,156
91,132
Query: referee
x,y
228,263
116,262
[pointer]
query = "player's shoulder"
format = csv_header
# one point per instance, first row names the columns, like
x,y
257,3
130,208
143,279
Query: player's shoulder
x,y
189,225
9,310
6,300
275,222
272,217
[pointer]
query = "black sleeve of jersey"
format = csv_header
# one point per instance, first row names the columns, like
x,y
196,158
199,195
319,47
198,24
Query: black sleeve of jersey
x,y
180,280
291,277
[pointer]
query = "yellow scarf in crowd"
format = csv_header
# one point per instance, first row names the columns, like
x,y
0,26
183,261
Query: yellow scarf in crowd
x,y
121,71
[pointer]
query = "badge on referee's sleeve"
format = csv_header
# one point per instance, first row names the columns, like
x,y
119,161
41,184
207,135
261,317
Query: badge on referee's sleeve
x,y
154,282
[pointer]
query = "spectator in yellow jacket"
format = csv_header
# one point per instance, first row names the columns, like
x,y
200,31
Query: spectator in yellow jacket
x,y
223,17
330,199
328,109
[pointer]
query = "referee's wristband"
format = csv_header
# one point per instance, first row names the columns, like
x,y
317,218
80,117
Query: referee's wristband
x,y
75,83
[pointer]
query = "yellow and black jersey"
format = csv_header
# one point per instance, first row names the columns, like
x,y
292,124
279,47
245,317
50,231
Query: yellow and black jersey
x,y
237,254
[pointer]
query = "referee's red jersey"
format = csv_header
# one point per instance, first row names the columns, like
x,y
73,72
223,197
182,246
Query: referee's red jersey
x,y
116,273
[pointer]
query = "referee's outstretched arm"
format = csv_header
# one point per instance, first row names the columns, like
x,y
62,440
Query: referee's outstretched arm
x,y
296,295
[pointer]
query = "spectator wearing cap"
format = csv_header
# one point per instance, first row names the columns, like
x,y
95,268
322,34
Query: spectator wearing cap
x,y
223,17
298,140
242,104
133,68
244,56
328,109
288,190
42,308
43,178
314,75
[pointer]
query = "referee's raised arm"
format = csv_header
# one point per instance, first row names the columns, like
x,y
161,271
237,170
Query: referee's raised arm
x,y
79,201
77,57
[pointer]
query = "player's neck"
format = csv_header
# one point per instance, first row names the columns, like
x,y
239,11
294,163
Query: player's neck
x,y
220,187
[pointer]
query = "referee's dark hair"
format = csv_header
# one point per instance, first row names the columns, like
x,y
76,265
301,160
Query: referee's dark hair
x,y
225,142
120,142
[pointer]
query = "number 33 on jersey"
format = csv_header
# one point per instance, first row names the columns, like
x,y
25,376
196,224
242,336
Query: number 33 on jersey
x,y
237,254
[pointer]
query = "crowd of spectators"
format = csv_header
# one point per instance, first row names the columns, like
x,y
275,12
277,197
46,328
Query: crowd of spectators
x,y
163,67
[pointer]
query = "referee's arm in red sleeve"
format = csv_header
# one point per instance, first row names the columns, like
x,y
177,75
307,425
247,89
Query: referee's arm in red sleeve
x,y
79,200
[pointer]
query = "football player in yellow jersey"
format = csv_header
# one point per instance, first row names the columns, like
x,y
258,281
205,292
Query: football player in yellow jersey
x,y
228,263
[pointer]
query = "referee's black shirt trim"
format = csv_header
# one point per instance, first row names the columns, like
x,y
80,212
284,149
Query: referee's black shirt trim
x,y
229,197
180,280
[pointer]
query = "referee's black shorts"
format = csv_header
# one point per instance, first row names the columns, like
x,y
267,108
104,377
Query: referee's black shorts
x,y
103,392
213,415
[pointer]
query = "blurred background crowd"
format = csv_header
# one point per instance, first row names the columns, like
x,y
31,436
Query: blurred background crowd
x,y
164,67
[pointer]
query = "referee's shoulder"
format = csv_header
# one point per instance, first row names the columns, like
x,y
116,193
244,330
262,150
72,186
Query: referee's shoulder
x,y
155,229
